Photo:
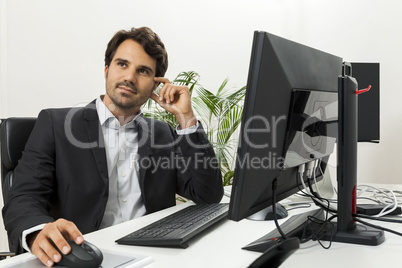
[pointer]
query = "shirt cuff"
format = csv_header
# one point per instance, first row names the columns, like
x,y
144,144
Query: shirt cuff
x,y
189,130
30,231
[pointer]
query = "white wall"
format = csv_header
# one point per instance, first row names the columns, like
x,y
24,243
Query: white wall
x,y
52,51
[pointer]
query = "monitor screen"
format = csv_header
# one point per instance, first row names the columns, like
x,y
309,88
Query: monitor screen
x,y
286,120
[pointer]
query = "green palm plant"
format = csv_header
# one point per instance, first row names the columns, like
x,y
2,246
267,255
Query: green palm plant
x,y
219,113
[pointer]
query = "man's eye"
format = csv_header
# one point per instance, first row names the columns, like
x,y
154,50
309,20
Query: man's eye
x,y
122,64
143,71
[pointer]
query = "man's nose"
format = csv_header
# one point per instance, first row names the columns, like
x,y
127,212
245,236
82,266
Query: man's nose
x,y
131,77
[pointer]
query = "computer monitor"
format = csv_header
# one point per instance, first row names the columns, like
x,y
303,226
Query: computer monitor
x,y
299,102
283,77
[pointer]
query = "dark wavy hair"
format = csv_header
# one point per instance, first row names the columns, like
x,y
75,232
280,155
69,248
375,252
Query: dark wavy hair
x,y
148,39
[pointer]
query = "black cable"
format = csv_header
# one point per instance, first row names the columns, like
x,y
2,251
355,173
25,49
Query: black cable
x,y
315,229
315,199
325,208
300,189
325,225
316,196
274,186
319,229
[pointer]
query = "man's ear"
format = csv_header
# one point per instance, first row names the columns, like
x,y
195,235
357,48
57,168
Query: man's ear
x,y
106,71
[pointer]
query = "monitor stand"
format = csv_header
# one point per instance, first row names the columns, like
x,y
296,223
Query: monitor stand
x,y
293,227
347,231
266,214
360,234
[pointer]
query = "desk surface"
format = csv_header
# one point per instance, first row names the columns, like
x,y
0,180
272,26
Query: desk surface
x,y
221,245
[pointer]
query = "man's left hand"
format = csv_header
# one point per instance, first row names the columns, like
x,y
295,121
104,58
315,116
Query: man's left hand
x,y
176,100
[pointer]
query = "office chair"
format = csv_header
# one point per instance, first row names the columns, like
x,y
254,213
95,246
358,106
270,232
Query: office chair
x,y
14,133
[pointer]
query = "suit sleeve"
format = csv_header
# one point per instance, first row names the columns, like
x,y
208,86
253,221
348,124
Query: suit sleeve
x,y
32,184
199,175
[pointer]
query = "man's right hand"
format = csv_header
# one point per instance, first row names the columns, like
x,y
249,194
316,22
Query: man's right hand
x,y
54,234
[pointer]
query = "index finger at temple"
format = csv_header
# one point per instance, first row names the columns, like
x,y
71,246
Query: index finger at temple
x,y
162,80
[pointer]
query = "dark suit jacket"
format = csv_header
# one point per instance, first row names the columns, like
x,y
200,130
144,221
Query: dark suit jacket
x,y
63,171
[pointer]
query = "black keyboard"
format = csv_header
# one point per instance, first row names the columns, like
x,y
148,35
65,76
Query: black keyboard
x,y
176,229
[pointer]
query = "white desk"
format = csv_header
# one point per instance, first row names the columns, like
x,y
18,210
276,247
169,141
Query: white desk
x,y
221,245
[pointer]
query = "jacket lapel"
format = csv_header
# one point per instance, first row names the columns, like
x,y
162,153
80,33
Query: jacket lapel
x,y
95,137
144,146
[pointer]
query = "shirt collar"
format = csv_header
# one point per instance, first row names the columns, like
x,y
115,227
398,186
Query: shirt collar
x,y
107,119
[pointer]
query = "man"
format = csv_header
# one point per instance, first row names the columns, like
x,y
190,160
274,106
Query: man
x,y
92,167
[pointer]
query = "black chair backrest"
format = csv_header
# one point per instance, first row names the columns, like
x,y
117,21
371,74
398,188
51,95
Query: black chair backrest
x,y
14,133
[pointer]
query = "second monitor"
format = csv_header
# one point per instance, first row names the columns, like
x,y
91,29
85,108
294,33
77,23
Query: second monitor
x,y
299,102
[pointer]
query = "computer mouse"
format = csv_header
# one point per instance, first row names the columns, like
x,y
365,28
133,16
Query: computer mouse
x,y
281,212
85,255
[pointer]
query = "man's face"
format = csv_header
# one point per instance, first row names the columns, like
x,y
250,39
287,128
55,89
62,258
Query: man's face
x,y
130,77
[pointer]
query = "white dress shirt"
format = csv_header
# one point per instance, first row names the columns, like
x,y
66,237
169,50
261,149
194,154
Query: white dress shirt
x,y
121,145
